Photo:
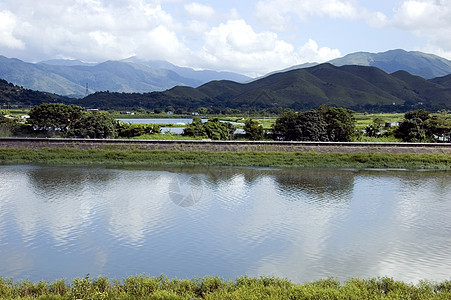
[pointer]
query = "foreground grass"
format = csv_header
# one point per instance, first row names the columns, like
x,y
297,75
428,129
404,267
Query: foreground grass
x,y
204,158
141,287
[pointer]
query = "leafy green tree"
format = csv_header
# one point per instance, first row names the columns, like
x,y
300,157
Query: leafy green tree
x,y
312,126
7,126
253,130
202,110
340,123
196,128
129,130
286,127
415,127
212,129
322,124
440,125
217,130
54,117
379,121
99,125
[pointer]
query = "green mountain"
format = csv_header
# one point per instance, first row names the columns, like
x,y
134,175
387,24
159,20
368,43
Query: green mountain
x,y
12,96
71,77
356,87
417,63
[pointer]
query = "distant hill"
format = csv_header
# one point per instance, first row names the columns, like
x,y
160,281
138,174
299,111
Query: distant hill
x,y
356,87
69,77
12,96
417,63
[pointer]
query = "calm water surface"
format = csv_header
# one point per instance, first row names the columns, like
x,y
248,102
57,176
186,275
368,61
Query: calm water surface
x,y
65,222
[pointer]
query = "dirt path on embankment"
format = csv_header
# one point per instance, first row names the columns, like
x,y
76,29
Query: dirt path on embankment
x,y
226,146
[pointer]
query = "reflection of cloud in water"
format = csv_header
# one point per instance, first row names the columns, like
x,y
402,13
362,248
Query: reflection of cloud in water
x,y
233,192
136,205
300,231
37,205
388,230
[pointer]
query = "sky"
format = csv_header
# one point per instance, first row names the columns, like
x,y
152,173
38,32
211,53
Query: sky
x,y
251,37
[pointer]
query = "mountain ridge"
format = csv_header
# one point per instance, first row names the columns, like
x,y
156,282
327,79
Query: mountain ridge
x,y
355,87
418,63
70,77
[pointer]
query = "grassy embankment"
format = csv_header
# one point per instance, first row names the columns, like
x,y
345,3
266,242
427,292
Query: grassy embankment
x,y
141,287
111,156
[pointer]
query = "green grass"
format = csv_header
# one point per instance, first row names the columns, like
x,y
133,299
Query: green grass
x,y
143,287
111,155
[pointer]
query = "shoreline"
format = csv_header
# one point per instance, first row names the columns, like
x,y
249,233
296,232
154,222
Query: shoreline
x,y
173,158
153,153
145,287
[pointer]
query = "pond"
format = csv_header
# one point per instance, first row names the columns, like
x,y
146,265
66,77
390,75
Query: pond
x,y
301,224
176,121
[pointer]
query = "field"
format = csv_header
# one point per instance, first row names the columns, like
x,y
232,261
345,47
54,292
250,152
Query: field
x,y
110,155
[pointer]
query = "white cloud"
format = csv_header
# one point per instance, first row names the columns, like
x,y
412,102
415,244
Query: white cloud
x,y
7,27
311,52
87,29
198,10
235,46
428,19
276,13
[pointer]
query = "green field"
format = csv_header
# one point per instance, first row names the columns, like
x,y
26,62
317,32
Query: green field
x,y
112,156
142,287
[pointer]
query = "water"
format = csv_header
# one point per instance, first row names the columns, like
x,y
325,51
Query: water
x,y
176,121
65,222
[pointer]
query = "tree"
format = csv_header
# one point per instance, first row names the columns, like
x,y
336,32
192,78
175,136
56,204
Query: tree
x,y
196,128
312,126
212,129
285,127
54,117
414,127
253,130
217,130
99,125
340,123
322,124
440,125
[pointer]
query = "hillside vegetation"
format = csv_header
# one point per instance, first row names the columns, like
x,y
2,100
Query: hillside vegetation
x,y
354,87
359,88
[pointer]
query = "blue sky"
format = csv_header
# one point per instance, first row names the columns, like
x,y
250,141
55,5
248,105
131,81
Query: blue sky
x,y
250,37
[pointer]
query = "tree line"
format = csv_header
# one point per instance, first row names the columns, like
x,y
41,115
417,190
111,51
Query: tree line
x,y
321,124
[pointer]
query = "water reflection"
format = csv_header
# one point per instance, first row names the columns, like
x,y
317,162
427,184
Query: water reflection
x,y
300,224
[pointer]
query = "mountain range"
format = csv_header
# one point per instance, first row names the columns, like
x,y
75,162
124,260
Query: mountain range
x,y
76,79
123,84
417,63
360,88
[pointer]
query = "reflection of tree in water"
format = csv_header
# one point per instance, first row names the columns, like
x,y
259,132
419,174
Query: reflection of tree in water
x,y
330,186
48,180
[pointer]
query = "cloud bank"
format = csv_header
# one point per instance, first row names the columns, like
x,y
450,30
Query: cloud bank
x,y
253,39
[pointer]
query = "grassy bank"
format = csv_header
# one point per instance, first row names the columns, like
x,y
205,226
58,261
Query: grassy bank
x,y
161,287
203,158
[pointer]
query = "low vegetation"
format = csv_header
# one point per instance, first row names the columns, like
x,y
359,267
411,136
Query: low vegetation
x,y
322,124
143,287
112,156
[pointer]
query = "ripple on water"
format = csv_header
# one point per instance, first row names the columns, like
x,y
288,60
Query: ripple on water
x,y
299,224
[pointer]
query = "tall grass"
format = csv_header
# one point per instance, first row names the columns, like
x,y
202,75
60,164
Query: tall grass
x,y
112,156
143,287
